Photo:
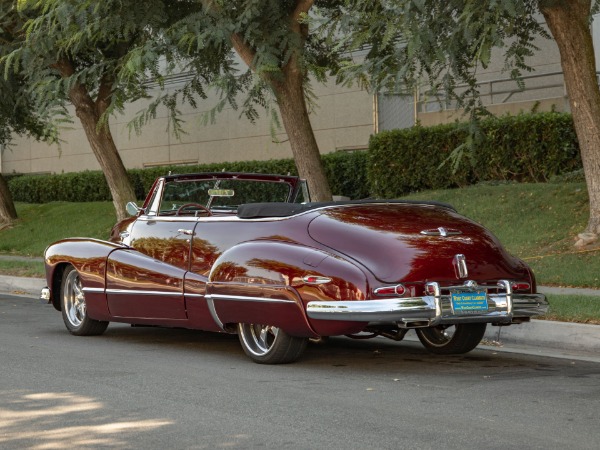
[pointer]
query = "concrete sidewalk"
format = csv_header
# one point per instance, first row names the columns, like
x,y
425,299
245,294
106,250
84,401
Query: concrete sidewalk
x,y
563,339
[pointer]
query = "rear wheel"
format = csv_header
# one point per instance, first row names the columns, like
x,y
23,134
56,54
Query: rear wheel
x,y
267,344
452,339
73,306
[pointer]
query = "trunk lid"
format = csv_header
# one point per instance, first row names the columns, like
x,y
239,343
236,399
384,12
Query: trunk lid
x,y
400,242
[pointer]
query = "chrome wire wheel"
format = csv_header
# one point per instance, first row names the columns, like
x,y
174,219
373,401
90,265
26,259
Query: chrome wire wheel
x,y
267,344
73,299
74,306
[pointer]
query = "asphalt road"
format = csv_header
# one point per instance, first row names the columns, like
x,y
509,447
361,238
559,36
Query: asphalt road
x,y
156,388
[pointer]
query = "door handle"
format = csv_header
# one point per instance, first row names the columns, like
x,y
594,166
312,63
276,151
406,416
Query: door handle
x,y
186,232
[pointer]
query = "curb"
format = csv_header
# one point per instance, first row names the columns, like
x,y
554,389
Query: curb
x,y
21,286
568,291
537,334
548,334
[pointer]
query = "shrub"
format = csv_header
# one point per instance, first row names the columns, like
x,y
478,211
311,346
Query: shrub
x,y
526,147
346,173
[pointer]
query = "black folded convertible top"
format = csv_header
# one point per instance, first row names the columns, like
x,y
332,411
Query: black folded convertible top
x,y
281,209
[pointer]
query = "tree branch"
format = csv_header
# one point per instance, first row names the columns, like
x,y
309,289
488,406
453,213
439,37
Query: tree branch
x,y
64,67
302,7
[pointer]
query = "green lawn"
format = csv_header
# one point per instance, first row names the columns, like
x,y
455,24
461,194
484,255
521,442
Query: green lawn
x,y
40,225
573,308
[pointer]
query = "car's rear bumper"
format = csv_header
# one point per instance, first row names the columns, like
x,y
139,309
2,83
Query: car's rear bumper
x,y
503,308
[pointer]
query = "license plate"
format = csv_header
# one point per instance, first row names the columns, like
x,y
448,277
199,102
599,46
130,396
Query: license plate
x,y
469,302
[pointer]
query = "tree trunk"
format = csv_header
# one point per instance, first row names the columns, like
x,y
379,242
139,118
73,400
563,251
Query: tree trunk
x,y
294,114
100,137
568,22
8,213
288,86
104,149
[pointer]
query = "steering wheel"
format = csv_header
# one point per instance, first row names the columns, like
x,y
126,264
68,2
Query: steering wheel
x,y
195,205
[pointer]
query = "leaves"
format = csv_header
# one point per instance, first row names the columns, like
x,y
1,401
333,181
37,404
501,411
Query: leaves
x,y
439,43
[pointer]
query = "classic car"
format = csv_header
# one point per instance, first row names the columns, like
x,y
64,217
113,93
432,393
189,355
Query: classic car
x,y
251,254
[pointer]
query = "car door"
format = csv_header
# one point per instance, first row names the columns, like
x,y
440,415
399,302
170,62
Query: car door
x,y
147,279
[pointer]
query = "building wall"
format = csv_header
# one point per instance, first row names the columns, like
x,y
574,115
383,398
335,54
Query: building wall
x,y
343,119
544,88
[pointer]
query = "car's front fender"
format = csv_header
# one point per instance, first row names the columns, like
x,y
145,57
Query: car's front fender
x,y
88,256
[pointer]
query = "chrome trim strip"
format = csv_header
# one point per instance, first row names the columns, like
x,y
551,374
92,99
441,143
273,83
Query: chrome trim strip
x,y
383,288
244,298
235,218
460,262
213,312
316,279
94,290
428,310
141,292
441,231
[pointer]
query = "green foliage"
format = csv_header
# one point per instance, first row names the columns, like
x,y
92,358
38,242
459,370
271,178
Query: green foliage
x,y
403,161
42,224
266,34
346,173
526,147
439,43
17,114
89,186
573,308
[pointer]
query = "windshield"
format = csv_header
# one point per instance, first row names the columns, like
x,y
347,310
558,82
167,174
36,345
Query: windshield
x,y
225,194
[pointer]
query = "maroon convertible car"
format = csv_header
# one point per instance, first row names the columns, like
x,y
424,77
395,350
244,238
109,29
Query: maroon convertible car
x,y
250,254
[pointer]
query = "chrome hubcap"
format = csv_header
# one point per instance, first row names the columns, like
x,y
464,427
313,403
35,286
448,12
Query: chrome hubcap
x,y
440,336
259,339
73,299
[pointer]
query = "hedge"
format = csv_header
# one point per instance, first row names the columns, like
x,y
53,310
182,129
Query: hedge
x,y
526,147
346,172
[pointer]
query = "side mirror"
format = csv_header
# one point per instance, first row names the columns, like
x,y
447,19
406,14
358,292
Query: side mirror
x,y
132,208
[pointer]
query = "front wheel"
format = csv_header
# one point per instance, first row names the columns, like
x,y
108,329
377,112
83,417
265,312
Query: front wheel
x,y
73,306
266,344
453,339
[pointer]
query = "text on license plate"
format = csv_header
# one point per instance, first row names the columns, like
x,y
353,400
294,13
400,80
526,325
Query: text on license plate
x,y
469,302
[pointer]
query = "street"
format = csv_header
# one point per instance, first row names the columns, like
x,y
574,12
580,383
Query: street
x,y
156,388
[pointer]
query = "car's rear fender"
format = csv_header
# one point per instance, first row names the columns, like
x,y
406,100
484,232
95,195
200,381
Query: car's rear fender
x,y
268,282
88,256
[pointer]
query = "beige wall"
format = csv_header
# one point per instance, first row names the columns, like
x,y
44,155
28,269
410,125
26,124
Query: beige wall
x,y
544,87
342,119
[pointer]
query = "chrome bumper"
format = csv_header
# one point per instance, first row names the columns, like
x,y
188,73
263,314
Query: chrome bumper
x,y
430,311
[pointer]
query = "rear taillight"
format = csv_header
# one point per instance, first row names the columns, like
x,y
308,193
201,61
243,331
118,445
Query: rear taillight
x,y
390,290
520,286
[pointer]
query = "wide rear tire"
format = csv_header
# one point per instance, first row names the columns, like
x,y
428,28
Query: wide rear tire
x,y
452,340
265,344
73,306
